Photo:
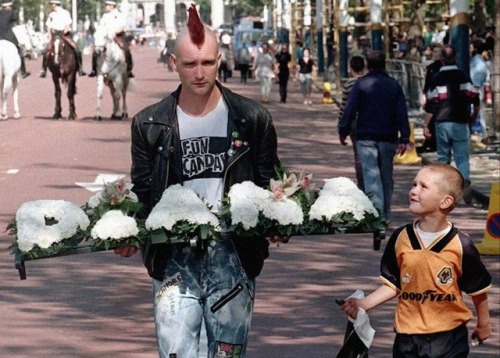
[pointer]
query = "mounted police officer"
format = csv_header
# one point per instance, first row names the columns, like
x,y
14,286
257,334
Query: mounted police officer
x,y
7,21
59,21
114,22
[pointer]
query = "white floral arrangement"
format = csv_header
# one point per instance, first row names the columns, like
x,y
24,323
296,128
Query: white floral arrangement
x,y
250,210
48,226
181,213
290,206
341,204
113,212
112,228
113,194
250,204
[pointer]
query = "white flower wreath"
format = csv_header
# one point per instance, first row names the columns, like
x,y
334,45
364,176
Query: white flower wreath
x,y
114,225
32,228
248,200
177,204
340,195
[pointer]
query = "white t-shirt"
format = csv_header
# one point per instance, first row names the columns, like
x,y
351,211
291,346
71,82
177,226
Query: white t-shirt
x,y
429,237
204,152
59,19
113,21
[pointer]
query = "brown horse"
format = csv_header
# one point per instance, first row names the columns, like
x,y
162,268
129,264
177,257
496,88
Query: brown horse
x,y
62,63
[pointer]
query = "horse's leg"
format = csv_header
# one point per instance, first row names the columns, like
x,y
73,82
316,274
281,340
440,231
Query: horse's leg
x,y
3,98
71,96
100,91
116,103
6,86
57,86
124,97
15,95
114,92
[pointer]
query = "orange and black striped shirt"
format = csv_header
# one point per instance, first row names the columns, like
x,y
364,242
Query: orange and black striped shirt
x,y
430,280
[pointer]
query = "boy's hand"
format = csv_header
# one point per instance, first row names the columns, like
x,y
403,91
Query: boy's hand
x,y
350,307
481,333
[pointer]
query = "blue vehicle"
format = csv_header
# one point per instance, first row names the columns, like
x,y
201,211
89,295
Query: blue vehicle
x,y
246,36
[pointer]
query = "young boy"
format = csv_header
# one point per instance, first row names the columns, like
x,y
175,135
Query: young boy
x,y
427,264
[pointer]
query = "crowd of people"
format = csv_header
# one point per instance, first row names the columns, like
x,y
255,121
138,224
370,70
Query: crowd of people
x,y
268,63
59,21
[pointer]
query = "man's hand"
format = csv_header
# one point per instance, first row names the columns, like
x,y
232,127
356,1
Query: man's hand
x,y
427,132
401,148
277,239
126,251
343,140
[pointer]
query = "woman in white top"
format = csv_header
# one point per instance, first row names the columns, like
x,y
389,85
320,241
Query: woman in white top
x,y
264,70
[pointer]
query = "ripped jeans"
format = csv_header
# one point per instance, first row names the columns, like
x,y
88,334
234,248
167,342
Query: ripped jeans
x,y
205,285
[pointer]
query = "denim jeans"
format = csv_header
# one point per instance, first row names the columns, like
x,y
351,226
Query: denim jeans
x,y
454,136
195,281
377,164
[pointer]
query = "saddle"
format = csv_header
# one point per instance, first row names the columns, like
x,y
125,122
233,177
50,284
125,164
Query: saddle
x,y
62,35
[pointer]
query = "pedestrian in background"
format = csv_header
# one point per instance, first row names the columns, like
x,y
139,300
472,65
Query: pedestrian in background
x,y
304,73
382,128
224,62
254,52
264,71
7,20
283,59
357,68
449,101
189,282
479,74
243,59
429,144
431,258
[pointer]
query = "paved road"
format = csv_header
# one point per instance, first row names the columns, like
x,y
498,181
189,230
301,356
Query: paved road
x,y
98,305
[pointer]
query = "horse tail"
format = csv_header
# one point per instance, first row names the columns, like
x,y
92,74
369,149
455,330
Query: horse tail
x,y
132,84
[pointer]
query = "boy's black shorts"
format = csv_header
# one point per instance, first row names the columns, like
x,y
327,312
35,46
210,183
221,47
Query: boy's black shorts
x,y
452,343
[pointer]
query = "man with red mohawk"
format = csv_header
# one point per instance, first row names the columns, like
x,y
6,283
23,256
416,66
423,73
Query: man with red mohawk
x,y
206,138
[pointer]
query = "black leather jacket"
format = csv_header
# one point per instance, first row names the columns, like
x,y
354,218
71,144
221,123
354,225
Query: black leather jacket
x,y
156,164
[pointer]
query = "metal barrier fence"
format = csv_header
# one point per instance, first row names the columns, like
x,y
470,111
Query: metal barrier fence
x,y
411,77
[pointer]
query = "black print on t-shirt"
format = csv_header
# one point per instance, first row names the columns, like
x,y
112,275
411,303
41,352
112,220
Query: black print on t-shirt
x,y
203,157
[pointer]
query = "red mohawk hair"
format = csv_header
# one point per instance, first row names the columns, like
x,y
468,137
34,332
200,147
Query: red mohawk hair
x,y
195,27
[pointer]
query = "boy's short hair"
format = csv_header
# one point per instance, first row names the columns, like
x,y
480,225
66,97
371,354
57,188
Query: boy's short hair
x,y
357,63
450,180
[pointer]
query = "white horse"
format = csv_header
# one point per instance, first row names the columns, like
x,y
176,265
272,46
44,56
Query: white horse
x,y
111,71
32,43
10,65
